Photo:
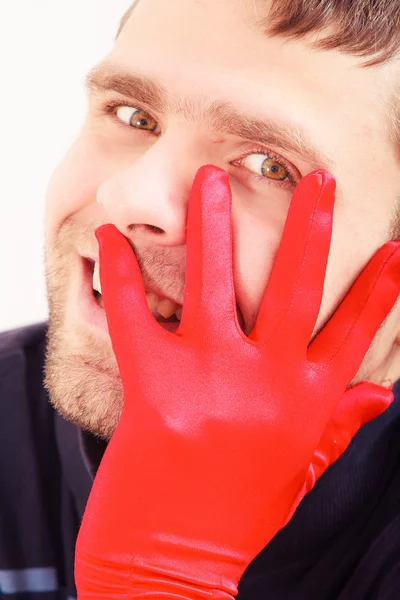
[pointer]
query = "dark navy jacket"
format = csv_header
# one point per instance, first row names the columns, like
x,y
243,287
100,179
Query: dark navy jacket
x,y
343,542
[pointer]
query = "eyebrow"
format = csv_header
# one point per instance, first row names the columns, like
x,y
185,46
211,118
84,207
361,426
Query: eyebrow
x,y
219,117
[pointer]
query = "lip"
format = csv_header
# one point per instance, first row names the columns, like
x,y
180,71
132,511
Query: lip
x,y
89,308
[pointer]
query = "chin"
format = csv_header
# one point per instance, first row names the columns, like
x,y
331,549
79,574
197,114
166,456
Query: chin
x,y
84,385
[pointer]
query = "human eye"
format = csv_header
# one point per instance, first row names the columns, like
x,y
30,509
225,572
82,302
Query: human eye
x,y
267,165
133,116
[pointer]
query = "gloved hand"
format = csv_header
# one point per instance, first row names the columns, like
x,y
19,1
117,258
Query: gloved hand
x,y
222,435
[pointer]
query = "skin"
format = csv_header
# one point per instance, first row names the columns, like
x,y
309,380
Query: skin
x,y
202,52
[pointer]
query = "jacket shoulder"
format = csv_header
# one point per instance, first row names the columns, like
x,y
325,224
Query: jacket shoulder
x,y
21,338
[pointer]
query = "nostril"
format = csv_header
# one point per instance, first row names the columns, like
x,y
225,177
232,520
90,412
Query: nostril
x,y
155,229
145,227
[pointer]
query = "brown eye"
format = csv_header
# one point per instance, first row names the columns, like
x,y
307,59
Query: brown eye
x,y
143,120
272,169
268,167
137,118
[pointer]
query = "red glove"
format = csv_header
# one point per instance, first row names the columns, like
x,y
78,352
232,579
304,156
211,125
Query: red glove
x,y
222,435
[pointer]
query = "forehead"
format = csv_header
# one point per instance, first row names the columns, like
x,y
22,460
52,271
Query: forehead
x,y
228,33
210,45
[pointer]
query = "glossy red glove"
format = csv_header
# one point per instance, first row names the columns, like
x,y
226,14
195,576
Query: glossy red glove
x,y
222,435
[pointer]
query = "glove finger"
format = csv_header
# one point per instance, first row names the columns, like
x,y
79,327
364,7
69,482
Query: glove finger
x,y
358,405
209,287
345,339
124,296
294,292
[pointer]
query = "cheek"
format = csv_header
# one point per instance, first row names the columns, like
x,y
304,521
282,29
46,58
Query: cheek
x,y
256,241
368,181
74,184
361,227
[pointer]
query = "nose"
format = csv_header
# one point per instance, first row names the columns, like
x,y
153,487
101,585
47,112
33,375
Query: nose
x,y
147,201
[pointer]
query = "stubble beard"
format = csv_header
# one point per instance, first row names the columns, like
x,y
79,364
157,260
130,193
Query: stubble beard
x,y
80,372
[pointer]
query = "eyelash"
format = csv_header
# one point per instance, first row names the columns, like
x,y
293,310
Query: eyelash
x,y
110,107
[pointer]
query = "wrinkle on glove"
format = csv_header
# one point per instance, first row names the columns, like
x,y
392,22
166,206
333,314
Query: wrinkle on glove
x,y
221,435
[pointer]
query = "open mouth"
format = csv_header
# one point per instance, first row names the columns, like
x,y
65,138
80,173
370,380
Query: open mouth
x,y
165,311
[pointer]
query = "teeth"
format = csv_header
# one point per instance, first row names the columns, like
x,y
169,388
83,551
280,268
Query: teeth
x,y
152,301
165,307
96,278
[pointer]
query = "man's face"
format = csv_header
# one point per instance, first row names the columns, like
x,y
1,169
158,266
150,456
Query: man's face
x,y
232,97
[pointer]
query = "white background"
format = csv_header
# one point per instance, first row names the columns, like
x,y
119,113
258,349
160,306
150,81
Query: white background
x,y
46,49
